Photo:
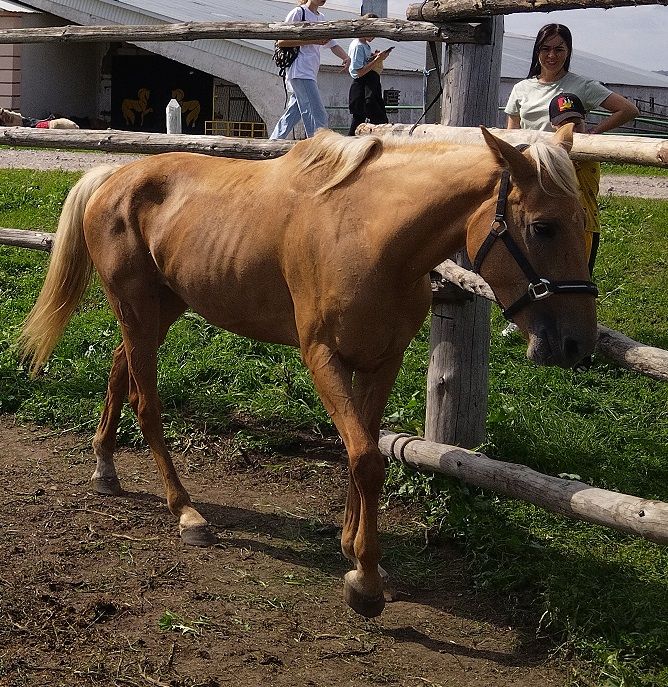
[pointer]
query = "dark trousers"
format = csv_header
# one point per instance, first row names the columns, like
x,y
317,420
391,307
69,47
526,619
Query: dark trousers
x,y
596,238
365,101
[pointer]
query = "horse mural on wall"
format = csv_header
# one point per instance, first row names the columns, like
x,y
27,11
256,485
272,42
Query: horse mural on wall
x,y
190,109
328,249
130,107
12,118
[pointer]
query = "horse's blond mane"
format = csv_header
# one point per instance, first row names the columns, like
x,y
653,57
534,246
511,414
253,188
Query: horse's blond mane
x,y
554,161
339,156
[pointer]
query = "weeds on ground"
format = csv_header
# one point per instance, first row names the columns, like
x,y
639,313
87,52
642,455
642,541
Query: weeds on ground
x,y
173,622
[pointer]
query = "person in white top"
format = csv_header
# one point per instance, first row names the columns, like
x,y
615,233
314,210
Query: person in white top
x,y
305,102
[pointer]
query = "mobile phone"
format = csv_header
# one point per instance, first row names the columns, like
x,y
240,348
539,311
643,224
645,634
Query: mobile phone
x,y
390,49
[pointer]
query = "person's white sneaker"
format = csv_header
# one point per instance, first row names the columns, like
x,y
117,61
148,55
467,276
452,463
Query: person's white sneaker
x,y
511,328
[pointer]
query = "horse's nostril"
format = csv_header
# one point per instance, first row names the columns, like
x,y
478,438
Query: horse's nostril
x,y
571,348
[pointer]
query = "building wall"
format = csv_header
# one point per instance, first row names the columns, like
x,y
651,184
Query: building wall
x,y
10,65
60,79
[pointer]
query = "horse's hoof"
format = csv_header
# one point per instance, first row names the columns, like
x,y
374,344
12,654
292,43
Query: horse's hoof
x,y
109,486
199,535
369,607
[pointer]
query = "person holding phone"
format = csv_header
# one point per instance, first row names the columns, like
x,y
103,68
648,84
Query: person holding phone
x,y
365,99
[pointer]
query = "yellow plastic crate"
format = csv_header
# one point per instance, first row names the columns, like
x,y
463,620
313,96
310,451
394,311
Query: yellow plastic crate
x,y
219,127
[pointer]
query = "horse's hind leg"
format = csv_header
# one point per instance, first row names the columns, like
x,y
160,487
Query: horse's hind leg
x,y
141,336
105,480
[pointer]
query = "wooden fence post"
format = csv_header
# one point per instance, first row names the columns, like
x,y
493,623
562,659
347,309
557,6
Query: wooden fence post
x,y
460,326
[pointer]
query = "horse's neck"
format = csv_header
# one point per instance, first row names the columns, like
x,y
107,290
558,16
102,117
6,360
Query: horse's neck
x,y
448,188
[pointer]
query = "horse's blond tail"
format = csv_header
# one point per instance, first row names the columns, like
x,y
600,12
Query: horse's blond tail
x,y
70,271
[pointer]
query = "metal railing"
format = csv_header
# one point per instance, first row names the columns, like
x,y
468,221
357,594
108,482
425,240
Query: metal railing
x,y
631,129
220,127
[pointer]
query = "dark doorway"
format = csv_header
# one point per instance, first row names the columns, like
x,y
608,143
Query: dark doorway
x,y
142,85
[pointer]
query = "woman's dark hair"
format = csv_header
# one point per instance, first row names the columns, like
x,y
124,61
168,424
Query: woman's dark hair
x,y
550,31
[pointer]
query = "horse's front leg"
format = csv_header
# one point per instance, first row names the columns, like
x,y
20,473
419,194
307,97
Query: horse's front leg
x,y
371,391
363,587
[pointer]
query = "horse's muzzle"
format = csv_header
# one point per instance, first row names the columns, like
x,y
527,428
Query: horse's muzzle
x,y
554,347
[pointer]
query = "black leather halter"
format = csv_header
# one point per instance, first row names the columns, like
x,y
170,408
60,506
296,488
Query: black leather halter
x,y
539,287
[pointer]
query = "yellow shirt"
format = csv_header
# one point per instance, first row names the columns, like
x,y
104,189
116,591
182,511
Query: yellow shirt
x,y
589,176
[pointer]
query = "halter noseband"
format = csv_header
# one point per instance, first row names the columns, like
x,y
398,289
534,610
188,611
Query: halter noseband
x,y
539,287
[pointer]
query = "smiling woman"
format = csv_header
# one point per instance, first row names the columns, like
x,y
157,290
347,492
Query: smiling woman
x,y
549,76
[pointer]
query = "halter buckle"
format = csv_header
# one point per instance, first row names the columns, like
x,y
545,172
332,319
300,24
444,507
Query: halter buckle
x,y
539,290
498,226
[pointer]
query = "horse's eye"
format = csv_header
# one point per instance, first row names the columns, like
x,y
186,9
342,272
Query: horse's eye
x,y
542,228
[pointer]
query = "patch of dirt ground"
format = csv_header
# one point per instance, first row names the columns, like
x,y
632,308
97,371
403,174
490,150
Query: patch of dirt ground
x,y
100,591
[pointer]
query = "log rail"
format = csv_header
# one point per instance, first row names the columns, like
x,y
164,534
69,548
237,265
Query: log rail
x,y
615,346
449,10
477,31
620,349
616,148
643,517
619,149
116,141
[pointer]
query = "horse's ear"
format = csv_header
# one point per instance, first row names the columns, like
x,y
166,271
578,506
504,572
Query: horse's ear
x,y
563,136
508,156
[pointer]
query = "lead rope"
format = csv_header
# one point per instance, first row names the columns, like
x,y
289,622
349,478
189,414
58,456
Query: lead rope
x,y
434,54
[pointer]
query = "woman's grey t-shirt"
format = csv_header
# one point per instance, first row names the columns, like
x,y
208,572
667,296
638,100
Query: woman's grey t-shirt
x,y
530,99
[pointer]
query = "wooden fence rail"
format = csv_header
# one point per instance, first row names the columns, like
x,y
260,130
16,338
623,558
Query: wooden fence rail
x,y
616,347
620,149
643,517
26,238
448,10
652,152
394,29
110,140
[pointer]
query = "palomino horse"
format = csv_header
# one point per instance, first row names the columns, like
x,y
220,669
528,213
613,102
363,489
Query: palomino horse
x,y
11,118
329,249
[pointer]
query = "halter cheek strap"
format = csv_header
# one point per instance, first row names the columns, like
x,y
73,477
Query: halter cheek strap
x,y
538,287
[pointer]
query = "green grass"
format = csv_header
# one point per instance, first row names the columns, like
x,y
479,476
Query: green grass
x,y
635,170
598,594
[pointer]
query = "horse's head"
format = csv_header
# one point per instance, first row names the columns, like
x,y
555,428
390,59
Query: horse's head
x,y
528,242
